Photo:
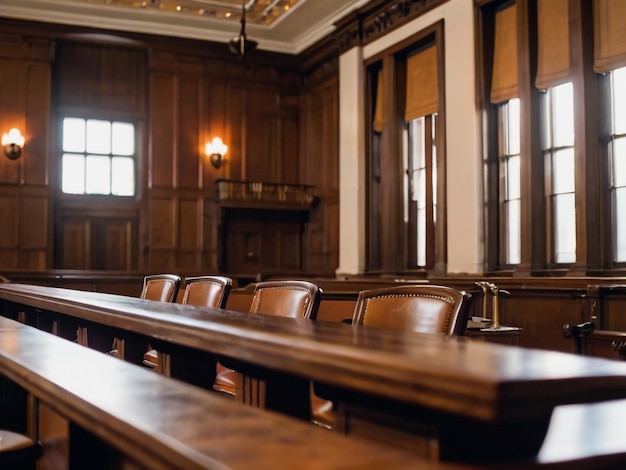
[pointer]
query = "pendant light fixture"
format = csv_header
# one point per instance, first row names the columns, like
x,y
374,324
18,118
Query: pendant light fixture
x,y
239,45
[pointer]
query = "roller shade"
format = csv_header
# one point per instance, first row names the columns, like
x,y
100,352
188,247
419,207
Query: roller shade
x,y
422,90
609,29
553,66
504,74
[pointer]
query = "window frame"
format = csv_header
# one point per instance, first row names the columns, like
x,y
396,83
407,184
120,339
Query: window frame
x,y
387,238
111,118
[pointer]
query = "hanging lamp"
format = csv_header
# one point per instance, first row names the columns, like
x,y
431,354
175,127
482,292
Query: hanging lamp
x,y
240,45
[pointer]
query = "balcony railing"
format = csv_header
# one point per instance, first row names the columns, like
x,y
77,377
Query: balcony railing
x,y
261,193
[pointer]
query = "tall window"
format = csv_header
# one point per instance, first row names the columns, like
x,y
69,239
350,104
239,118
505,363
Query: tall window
x,y
557,141
617,155
509,156
421,188
406,194
98,157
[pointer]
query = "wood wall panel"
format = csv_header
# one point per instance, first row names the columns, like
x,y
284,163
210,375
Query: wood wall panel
x,y
288,245
75,239
319,150
187,261
37,109
331,234
163,216
541,315
289,149
260,148
163,261
12,98
95,75
9,258
9,218
162,142
189,223
189,126
235,167
32,259
613,313
33,227
118,242
210,237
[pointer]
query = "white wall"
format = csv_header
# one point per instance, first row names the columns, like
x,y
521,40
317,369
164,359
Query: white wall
x,y
464,167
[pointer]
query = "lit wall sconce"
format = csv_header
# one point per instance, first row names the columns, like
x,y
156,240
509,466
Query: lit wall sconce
x,y
13,141
215,151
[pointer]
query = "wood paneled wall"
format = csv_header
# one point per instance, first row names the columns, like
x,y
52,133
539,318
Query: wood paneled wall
x,y
319,121
181,93
25,92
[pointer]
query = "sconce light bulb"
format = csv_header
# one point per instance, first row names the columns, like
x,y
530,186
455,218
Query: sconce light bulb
x,y
13,141
215,151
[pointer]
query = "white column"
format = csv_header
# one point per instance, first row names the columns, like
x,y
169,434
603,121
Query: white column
x,y
352,182
464,183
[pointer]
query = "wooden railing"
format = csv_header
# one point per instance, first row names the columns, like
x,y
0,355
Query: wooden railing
x,y
121,416
457,393
255,193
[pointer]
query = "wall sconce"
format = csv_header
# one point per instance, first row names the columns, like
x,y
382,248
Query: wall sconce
x,y
13,141
215,151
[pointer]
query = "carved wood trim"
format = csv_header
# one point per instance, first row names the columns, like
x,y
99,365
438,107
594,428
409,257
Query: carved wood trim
x,y
377,19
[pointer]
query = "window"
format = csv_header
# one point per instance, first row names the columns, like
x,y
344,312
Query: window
x,y
98,157
421,189
557,139
617,156
509,157
406,197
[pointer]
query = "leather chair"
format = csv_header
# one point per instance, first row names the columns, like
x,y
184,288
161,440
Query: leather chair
x,y
18,451
157,287
292,299
420,308
161,287
201,291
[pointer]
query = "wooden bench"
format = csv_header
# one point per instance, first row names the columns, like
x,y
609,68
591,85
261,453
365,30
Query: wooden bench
x,y
458,393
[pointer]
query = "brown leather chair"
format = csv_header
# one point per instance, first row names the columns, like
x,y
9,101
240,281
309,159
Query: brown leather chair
x,y
161,287
293,299
157,287
18,451
202,291
420,308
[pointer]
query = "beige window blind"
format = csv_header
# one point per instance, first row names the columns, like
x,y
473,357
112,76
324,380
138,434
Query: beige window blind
x,y
609,28
379,111
504,74
422,84
553,65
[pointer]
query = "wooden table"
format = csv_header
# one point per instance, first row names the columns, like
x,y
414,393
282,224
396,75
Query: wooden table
x,y
465,393
122,415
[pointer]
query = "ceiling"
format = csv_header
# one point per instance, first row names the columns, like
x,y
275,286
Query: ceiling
x,y
287,26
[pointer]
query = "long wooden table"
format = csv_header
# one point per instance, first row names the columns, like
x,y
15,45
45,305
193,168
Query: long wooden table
x,y
463,393
124,417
